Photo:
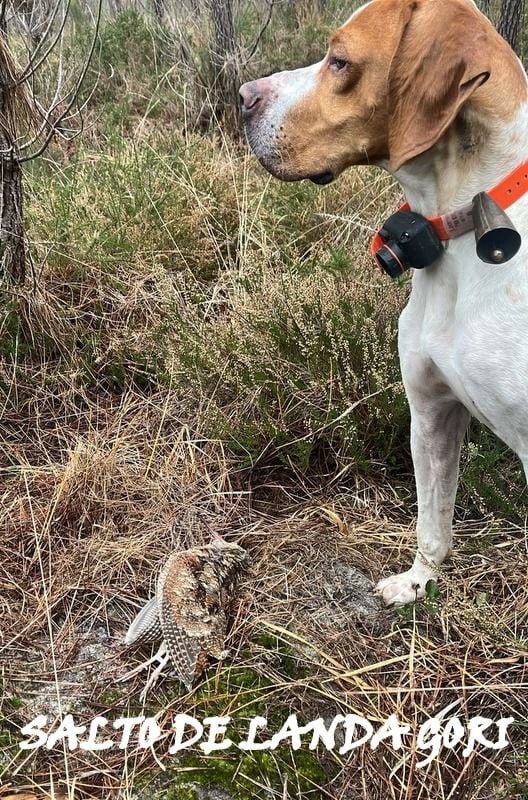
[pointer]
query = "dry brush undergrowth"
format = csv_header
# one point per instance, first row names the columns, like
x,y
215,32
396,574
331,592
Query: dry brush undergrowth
x,y
205,350
84,538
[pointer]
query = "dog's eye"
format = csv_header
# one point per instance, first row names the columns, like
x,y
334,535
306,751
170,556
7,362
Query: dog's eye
x,y
338,64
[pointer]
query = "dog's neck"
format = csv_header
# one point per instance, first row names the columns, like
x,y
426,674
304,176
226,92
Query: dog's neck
x,y
474,155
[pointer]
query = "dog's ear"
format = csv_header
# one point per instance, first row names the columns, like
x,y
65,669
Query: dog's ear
x,y
440,61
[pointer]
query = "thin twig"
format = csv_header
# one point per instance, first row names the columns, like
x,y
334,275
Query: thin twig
x,y
260,33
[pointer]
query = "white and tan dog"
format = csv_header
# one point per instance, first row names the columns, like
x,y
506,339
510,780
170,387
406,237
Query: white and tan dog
x,y
428,90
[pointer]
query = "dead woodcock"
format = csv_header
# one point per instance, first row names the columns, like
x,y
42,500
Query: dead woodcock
x,y
190,611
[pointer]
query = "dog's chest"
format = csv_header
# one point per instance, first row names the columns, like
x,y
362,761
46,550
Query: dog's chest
x,y
473,338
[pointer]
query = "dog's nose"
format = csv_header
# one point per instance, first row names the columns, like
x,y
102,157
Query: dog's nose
x,y
251,97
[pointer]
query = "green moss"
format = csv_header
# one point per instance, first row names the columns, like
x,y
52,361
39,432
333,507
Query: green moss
x,y
112,697
515,785
243,692
244,776
179,792
8,746
15,702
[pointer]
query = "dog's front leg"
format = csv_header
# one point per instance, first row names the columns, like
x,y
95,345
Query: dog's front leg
x,y
438,424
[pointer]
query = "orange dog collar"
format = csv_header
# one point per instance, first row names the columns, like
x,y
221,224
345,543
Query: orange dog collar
x,y
456,223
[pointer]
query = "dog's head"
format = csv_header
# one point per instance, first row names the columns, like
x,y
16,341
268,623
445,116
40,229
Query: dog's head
x,y
394,78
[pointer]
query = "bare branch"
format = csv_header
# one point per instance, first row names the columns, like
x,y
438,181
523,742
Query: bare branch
x,y
54,125
3,9
32,67
260,33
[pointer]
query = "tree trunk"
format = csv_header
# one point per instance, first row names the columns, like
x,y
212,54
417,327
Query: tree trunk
x,y
159,9
510,20
12,242
224,59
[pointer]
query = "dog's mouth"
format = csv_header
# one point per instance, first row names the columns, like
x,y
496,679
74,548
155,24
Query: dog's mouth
x,y
322,179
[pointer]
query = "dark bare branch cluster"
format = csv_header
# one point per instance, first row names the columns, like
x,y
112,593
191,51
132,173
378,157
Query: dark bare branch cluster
x,y
40,98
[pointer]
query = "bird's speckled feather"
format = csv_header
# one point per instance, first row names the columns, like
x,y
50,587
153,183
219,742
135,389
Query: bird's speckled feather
x,y
190,610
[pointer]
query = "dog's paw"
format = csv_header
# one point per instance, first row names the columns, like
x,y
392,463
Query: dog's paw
x,y
404,588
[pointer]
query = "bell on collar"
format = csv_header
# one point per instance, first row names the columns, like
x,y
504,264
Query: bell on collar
x,y
495,234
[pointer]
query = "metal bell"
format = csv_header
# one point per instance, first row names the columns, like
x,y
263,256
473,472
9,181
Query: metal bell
x,y
495,234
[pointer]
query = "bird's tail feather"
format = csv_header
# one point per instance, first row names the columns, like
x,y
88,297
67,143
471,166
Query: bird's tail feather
x,y
146,626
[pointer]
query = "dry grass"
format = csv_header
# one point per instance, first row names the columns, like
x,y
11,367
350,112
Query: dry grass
x,y
85,531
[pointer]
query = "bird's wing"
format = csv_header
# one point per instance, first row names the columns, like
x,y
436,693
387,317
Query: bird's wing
x,y
146,627
190,592
182,648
